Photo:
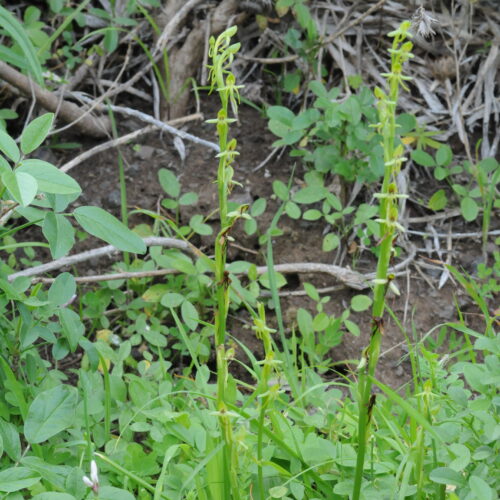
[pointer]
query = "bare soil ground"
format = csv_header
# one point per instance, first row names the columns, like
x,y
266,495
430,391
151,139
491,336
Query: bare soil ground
x,y
420,307
352,34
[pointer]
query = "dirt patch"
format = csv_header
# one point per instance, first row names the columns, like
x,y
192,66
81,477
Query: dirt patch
x,y
420,307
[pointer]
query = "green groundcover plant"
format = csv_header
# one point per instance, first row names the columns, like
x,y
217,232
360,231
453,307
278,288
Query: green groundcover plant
x,y
126,390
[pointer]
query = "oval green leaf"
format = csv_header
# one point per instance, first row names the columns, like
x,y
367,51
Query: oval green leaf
x,y
52,495
480,488
330,242
23,187
9,147
51,412
36,132
102,224
189,315
112,493
469,209
59,233
62,289
169,182
172,299
310,194
360,303
422,158
445,475
17,478
50,179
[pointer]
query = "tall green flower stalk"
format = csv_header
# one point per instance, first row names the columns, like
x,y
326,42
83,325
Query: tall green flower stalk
x,y
266,392
222,53
389,227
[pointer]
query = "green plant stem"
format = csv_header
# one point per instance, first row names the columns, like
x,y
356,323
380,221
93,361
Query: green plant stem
x,y
223,81
139,481
121,178
388,222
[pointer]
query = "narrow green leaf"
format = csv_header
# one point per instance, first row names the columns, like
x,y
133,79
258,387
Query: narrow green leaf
x,y
102,224
36,132
408,408
72,327
59,233
16,30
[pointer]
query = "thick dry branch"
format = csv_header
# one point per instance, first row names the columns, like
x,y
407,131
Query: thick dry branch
x,y
66,111
350,278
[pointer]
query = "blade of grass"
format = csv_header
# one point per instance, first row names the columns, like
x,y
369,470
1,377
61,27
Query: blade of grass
x,y
408,408
16,30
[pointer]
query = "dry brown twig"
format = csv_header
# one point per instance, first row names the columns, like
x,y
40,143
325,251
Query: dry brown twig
x,y
68,111
123,140
149,119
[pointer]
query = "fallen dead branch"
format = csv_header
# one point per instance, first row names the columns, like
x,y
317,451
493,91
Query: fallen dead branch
x,y
348,277
67,111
